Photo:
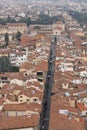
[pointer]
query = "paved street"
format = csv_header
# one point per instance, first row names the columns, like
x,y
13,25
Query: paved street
x,y
45,115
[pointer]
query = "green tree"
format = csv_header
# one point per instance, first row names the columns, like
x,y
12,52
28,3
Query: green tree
x,y
81,17
37,27
25,20
6,39
15,69
44,19
10,20
5,65
3,21
28,21
18,36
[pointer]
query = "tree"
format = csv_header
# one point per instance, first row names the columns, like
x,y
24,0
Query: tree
x,y
37,27
18,36
44,19
15,69
10,20
81,17
28,21
6,39
25,20
5,65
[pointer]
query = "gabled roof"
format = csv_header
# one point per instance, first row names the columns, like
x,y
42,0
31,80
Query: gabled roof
x,y
32,92
42,66
8,123
25,66
81,107
22,107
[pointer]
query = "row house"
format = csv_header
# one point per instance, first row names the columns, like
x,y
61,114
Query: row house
x,y
12,78
3,29
4,80
66,66
31,95
21,109
13,28
19,123
18,56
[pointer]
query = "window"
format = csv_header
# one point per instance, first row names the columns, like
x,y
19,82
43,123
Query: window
x,y
5,78
2,78
40,80
2,95
7,81
28,99
65,84
25,74
35,99
3,82
39,73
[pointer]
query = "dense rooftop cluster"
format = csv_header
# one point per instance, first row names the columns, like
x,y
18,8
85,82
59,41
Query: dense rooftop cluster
x,y
28,48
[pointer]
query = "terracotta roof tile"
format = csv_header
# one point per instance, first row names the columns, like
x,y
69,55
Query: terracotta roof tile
x,y
22,107
81,107
42,66
7,123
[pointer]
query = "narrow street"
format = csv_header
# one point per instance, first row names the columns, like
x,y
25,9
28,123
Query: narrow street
x,y
45,114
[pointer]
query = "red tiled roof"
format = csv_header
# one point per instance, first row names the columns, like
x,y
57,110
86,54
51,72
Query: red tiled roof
x,y
28,40
81,107
32,92
17,75
43,66
16,24
7,123
61,122
22,107
14,107
25,66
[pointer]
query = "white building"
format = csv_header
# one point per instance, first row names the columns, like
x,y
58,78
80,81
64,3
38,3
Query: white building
x,y
18,56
